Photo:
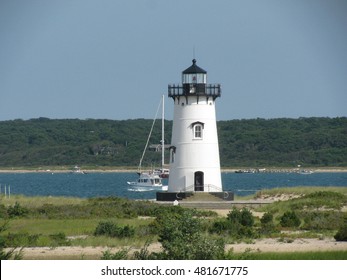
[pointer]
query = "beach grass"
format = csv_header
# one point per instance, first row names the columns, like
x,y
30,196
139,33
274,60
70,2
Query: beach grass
x,y
77,232
77,224
309,199
317,255
299,190
71,227
38,201
327,255
109,242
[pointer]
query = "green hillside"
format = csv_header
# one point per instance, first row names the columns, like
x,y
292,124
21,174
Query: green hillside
x,y
251,143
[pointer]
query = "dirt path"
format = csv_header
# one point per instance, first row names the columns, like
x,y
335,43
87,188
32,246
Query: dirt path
x,y
291,245
263,245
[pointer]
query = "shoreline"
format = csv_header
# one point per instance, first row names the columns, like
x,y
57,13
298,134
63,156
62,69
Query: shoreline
x,y
130,170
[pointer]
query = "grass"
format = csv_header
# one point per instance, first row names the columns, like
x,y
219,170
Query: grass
x,y
319,201
70,227
299,190
45,227
104,241
244,197
79,232
79,227
290,191
326,255
329,255
38,201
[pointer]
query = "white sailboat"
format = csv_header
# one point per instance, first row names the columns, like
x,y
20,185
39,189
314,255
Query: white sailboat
x,y
151,180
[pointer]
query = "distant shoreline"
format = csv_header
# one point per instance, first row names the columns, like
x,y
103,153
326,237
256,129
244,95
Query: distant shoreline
x,y
130,170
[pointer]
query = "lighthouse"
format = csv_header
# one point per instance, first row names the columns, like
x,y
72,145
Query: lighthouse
x,y
194,151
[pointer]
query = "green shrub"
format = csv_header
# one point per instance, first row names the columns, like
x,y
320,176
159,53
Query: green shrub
x,y
144,253
243,217
120,255
290,219
59,239
322,220
341,235
163,213
3,211
21,239
126,231
106,228
111,229
207,248
101,207
24,239
238,224
267,218
181,236
8,254
221,225
17,211
267,225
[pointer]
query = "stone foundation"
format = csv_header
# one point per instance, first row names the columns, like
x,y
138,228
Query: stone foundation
x,y
172,196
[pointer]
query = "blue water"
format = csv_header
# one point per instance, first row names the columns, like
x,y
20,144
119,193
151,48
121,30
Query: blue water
x,y
115,184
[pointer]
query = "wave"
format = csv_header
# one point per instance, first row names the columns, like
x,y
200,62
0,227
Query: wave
x,y
140,189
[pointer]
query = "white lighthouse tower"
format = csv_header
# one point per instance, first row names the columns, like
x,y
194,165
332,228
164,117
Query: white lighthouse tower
x,y
194,152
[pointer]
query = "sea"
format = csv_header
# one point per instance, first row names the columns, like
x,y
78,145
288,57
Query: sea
x,y
115,184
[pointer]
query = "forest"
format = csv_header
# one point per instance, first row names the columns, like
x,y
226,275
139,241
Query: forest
x,y
251,143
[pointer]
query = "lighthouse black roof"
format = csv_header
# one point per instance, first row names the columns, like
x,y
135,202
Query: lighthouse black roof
x,y
194,69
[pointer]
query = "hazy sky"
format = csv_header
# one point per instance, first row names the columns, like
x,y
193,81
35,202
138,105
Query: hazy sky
x,y
114,59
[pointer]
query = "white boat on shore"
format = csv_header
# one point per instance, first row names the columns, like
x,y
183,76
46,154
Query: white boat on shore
x,y
77,170
305,172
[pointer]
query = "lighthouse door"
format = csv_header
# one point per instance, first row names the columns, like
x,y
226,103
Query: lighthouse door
x,y
199,181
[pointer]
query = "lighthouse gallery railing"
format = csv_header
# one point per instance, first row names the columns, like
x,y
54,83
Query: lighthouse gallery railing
x,y
212,90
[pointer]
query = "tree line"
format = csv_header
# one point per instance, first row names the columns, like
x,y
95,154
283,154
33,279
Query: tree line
x,y
242,143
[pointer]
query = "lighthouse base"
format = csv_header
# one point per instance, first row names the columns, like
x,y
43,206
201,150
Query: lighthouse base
x,y
172,196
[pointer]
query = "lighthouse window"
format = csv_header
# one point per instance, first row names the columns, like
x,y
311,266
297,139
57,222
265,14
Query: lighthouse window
x,y
196,78
198,131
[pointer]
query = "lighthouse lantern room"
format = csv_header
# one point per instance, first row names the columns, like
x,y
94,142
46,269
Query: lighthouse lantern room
x,y
194,152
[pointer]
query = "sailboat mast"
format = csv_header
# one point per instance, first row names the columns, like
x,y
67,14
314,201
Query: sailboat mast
x,y
162,134
149,136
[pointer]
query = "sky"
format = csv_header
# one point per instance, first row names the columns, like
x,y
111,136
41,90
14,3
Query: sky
x,y
114,59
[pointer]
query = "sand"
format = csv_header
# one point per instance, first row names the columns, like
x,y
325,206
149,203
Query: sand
x,y
260,245
291,245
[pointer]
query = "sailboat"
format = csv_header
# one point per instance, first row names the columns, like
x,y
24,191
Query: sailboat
x,y
152,180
